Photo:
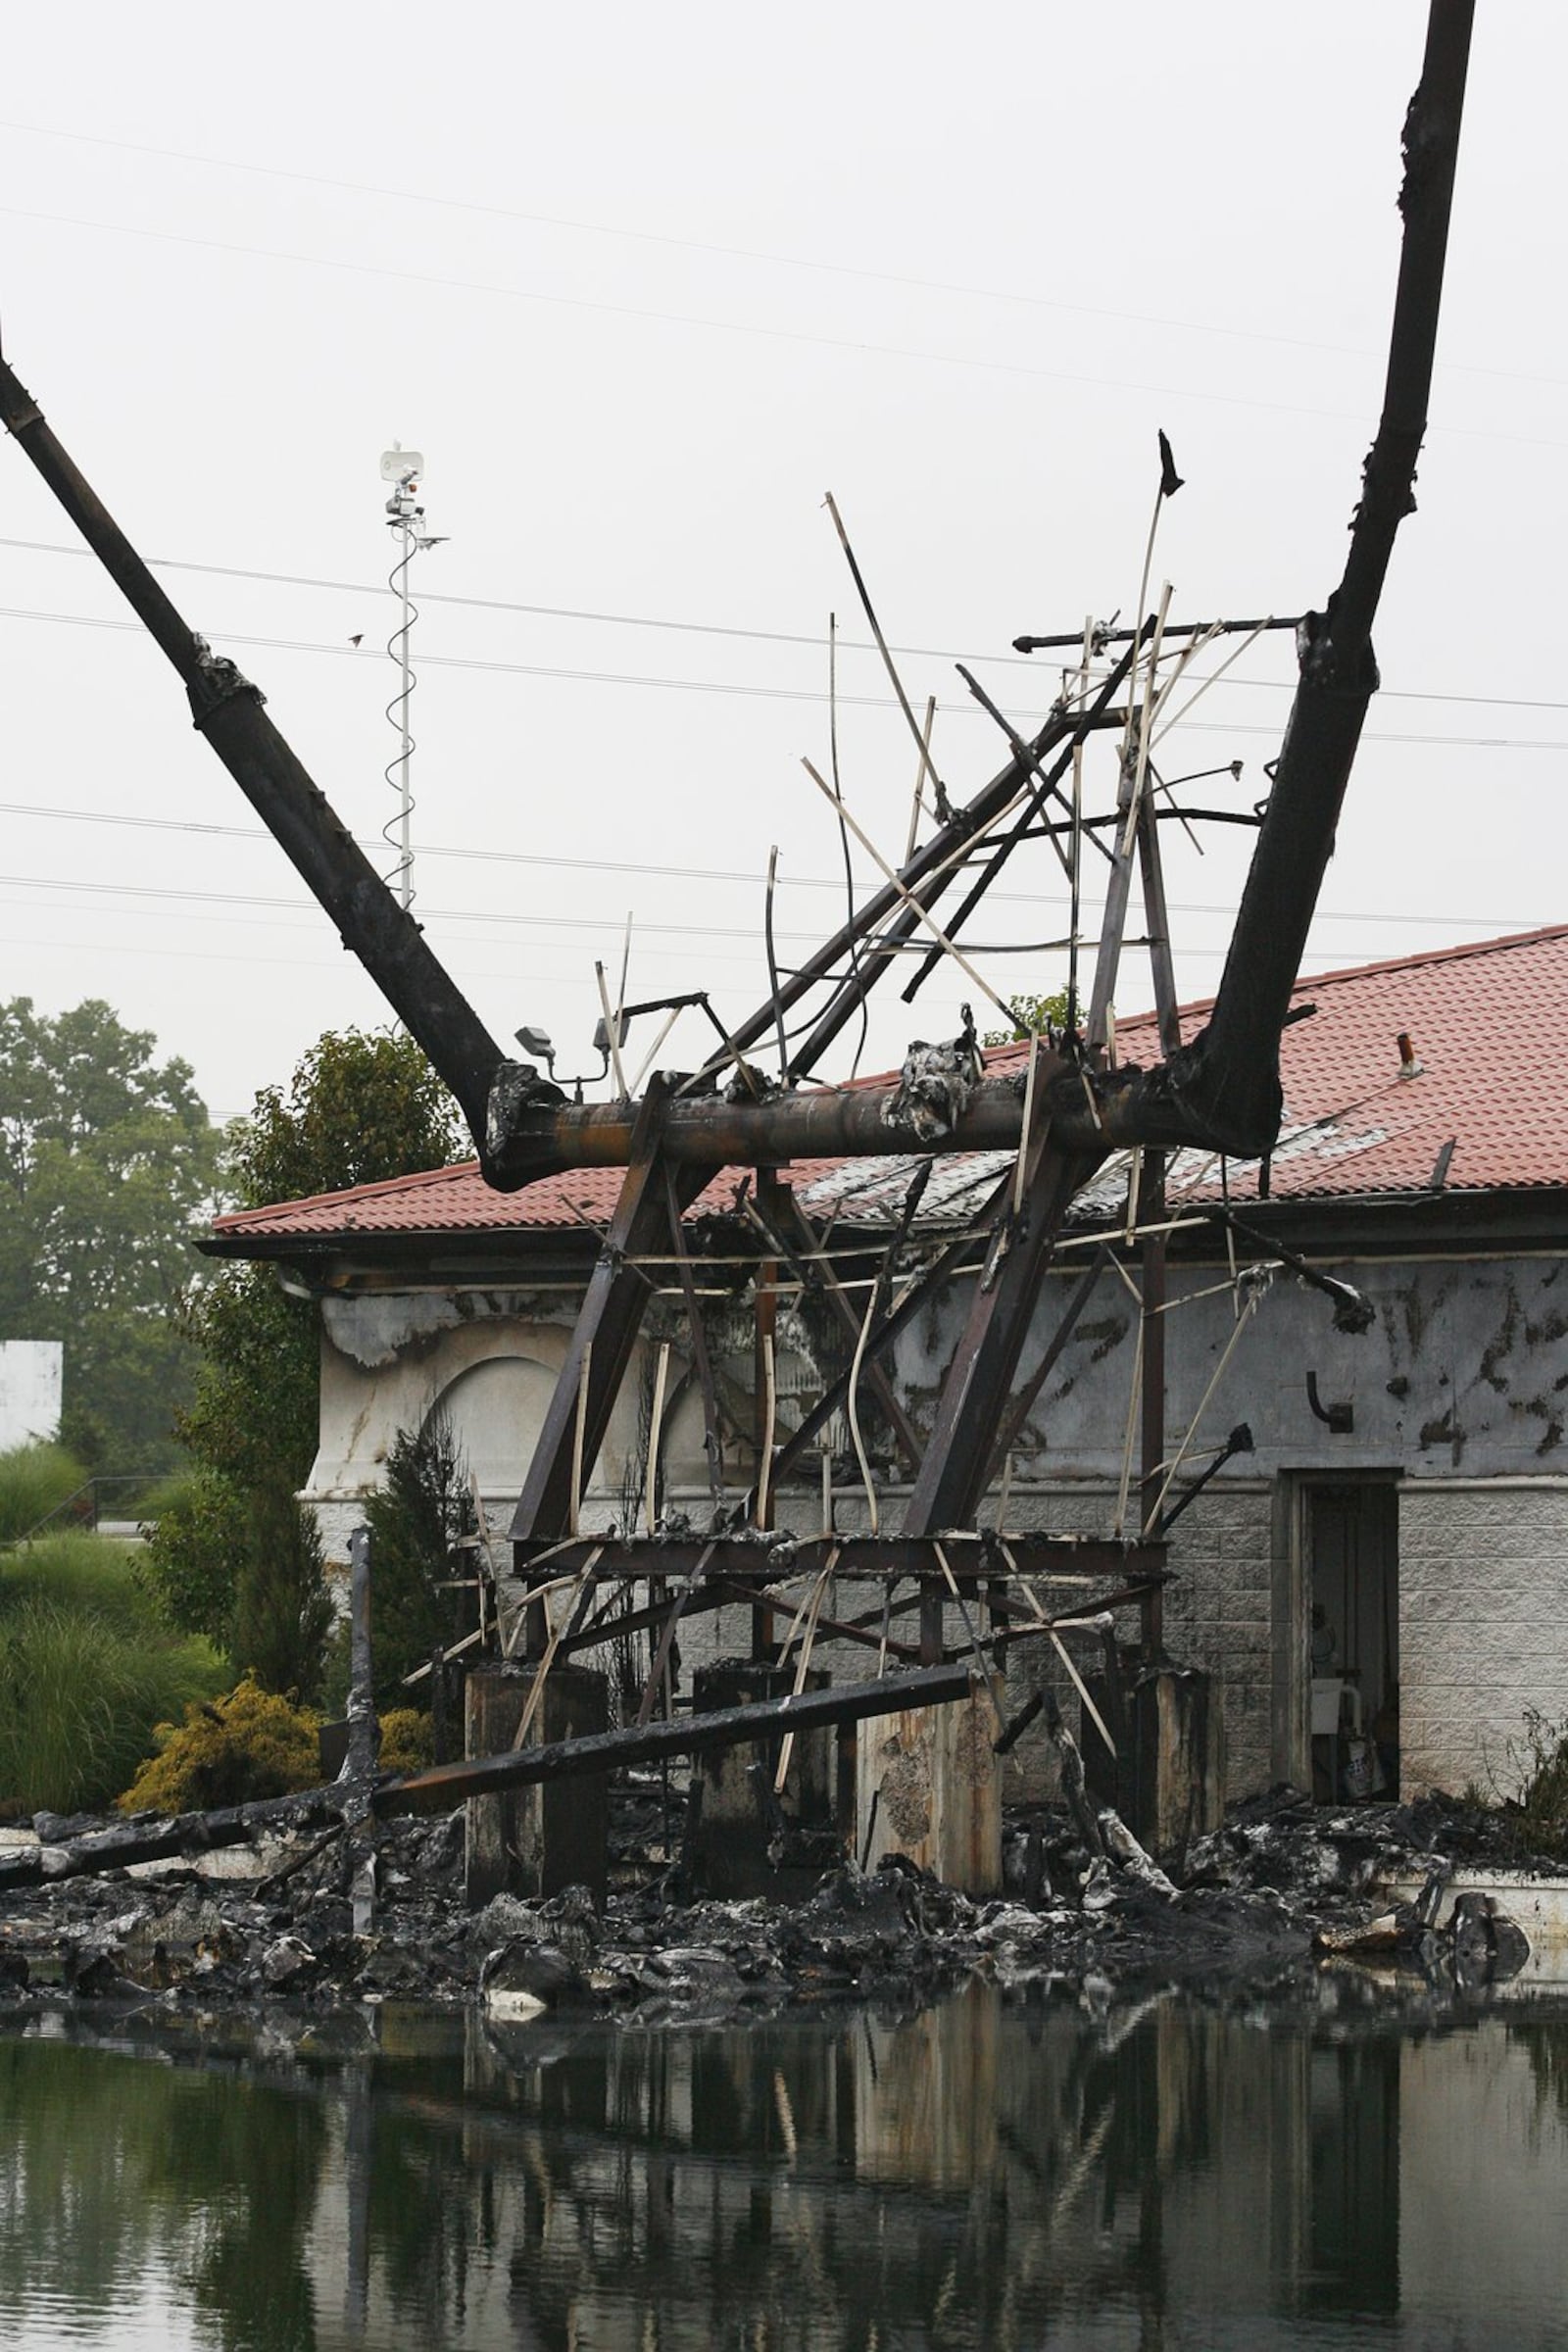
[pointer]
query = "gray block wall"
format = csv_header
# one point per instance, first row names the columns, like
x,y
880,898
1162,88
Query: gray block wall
x,y
1483,1627
1217,1616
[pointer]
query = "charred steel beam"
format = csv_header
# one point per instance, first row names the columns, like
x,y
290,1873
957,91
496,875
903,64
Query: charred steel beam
x,y
760,1560
1094,1112
1228,1081
605,1329
825,1122
979,1379
434,1792
228,709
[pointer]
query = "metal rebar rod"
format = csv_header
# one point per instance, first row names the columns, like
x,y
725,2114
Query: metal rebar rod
x,y
1074,638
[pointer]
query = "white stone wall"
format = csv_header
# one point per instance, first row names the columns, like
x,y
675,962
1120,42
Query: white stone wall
x,y
1483,1627
30,1374
488,1361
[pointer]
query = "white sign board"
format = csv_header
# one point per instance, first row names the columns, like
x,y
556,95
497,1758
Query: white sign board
x,y
31,1372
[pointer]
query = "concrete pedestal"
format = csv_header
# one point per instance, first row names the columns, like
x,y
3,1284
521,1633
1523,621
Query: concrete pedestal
x,y
737,1814
928,1785
1167,1781
535,1840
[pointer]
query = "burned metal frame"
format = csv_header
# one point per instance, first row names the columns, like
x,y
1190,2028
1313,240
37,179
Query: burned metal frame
x,y
1221,1092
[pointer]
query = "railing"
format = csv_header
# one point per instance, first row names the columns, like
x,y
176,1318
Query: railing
x,y
82,1508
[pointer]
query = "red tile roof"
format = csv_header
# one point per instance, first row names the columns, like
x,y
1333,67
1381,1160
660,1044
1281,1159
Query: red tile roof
x,y
1489,1024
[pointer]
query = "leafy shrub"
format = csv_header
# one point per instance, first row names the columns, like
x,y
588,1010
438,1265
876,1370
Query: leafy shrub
x,y
1541,1761
244,1567
34,1480
190,1563
80,1695
250,1745
408,1740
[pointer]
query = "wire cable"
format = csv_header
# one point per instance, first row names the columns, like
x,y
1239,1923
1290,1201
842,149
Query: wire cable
x,y
648,314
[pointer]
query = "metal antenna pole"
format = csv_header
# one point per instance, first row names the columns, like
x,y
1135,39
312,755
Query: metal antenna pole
x,y
402,468
405,528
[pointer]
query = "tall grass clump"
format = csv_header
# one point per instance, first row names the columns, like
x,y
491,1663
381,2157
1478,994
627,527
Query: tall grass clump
x,y
87,1673
81,1702
79,1572
35,1478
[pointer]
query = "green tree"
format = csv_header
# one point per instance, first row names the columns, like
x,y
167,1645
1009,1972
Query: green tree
x,y
283,1608
1031,1015
106,1161
360,1109
416,1521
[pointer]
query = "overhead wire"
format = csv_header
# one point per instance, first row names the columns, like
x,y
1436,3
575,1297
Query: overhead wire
x,y
741,328
740,253
745,691
202,828
805,639
744,253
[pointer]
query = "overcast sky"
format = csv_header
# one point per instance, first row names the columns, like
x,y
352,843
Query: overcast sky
x,y
643,284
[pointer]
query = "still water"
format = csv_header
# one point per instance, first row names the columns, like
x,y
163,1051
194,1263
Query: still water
x,y
992,2172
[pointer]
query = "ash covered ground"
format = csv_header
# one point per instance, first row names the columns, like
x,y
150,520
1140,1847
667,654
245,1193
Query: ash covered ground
x,y
1255,1903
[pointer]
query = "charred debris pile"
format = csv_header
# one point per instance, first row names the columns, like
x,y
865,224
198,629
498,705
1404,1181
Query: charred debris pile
x,y
1281,1890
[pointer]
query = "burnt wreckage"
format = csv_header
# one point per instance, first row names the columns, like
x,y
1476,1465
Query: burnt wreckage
x,y
973,1588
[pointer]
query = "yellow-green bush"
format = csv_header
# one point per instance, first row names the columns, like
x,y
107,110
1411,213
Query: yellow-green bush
x,y
408,1740
228,1752
254,1745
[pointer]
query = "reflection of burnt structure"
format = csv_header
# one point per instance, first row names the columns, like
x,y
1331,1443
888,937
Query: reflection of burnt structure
x,y
971,1591
992,2172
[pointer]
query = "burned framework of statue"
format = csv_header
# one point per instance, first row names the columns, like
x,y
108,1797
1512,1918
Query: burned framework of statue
x,y
1061,1119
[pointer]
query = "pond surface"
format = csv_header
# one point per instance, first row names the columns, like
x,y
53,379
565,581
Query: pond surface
x,y
992,2172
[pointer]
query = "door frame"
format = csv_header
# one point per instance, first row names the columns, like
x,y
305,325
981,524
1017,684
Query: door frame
x,y
1290,1711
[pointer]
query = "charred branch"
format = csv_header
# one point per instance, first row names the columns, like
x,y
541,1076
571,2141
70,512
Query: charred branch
x,y
1227,1081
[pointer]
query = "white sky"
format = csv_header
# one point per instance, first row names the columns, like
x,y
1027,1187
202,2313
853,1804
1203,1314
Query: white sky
x,y
644,283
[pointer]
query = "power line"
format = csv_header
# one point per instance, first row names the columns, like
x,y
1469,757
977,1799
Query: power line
x,y
740,327
719,629
752,691
1039,899
745,253
519,669
1315,961
498,603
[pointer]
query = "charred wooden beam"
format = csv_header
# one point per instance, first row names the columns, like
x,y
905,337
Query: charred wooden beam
x,y
165,1837
445,1785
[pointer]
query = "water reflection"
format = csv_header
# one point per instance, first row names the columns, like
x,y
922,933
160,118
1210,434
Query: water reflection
x,y
985,2175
